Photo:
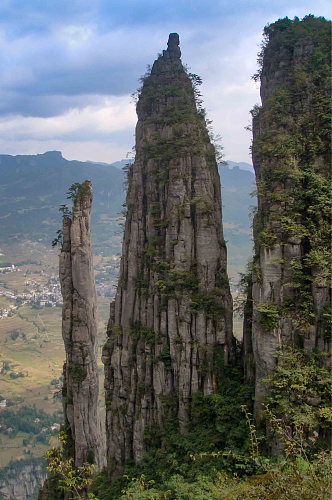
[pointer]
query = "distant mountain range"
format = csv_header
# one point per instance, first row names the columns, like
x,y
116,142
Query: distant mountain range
x,y
241,164
231,164
32,187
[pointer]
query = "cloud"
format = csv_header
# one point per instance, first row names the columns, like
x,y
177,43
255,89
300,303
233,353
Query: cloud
x,y
67,68
79,48
108,152
109,116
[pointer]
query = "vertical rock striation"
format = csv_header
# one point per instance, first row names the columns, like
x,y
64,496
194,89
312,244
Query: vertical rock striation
x,y
79,331
21,479
292,159
172,317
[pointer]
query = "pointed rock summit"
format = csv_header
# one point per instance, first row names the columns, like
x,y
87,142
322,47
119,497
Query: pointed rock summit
x,y
79,331
171,323
173,49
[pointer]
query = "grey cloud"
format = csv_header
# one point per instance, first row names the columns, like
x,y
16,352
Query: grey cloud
x,y
56,78
123,138
43,106
43,76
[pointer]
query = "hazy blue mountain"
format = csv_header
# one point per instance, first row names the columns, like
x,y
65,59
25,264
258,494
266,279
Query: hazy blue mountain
x,y
32,187
242,164
236,186
231,164
122,163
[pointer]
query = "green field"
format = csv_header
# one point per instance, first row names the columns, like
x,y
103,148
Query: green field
x,y
13,448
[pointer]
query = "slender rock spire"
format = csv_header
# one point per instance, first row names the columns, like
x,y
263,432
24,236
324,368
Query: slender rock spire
x,y
171,322
79,331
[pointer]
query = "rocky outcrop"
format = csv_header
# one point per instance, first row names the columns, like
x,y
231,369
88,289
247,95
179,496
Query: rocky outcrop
x,y
172,317
291,156
21,479
79,331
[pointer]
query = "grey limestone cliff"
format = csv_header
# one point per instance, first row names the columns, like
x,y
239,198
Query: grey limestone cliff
x,y
79,331
21,479
172,317
291,156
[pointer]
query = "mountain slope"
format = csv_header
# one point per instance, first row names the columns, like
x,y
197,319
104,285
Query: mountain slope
x,y
242,164
32,188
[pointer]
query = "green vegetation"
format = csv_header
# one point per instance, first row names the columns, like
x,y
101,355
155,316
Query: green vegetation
x,y
184,113
24,420
72,193
269,314
77,372
139,331
285,32
300,390
216,423
209,303
231,465
64,477
294,154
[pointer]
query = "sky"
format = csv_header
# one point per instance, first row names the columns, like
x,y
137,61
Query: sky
x,y
68,68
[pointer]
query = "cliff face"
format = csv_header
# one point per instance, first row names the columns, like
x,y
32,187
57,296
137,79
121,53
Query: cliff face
x,y
172,315
22,479
79,331
291,156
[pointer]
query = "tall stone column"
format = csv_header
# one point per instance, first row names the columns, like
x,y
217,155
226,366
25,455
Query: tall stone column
x,y
79,330
292,160
171,323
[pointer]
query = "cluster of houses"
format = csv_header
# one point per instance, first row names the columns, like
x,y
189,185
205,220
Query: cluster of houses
x,y
106,289
48,295
8,269
53,428
7,312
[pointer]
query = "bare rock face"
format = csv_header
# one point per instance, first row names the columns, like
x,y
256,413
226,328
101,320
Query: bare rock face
x,y
22,479
291,155
79,331
172,317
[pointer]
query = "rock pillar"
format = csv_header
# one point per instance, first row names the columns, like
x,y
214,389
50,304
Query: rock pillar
x,y
79,331
292,158
171,322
